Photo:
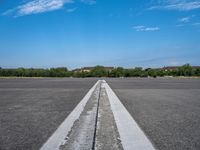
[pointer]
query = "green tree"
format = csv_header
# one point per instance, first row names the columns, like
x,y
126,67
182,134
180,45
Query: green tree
x,y
99,71
118,72
185,70
152,73
197,72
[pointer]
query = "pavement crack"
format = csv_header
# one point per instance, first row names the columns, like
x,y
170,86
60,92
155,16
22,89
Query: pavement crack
x,y
96,120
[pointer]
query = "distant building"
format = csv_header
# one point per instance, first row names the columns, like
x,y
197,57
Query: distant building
x,y
88,69
170,68
173,68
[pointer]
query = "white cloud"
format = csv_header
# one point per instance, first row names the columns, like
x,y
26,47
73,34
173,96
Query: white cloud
x,y
184,19
152,29
138,27
40,6
37,6
143,28
181,5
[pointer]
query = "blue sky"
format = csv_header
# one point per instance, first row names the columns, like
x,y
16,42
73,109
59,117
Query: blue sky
x,y
76,33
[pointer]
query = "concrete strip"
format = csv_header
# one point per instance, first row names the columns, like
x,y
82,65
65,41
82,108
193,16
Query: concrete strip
x,y
81,136
107,136
132,137
58,137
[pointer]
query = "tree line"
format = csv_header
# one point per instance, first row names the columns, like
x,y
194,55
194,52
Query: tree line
x,y
101,71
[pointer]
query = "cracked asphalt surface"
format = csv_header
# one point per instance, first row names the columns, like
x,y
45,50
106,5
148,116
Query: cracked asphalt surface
x,y
168,110
32,109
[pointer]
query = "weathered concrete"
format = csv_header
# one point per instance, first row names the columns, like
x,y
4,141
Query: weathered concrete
x,y
107,136
81,136
96,127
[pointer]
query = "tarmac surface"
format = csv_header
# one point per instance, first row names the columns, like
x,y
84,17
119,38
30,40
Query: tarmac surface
x,y
31,109
168,110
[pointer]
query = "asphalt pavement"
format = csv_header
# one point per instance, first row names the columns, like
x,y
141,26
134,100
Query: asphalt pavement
x,y
31,109
167,110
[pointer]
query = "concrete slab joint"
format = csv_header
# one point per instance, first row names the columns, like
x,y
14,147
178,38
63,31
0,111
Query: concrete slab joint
x,y
100,122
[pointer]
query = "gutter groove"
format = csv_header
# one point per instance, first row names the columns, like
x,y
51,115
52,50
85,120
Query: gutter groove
x,y
96,120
